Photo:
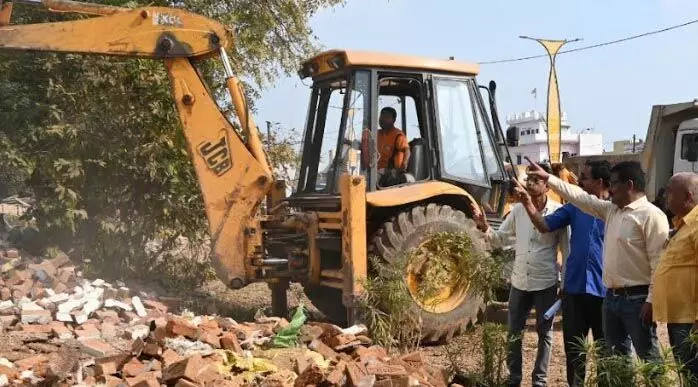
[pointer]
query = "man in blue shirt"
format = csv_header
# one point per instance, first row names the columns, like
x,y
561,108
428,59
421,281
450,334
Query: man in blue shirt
x,y
582,290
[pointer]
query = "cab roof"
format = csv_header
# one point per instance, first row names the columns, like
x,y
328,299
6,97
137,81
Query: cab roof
x,y
334,60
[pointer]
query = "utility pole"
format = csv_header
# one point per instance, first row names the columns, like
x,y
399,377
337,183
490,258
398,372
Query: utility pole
x,y
268,136
633,143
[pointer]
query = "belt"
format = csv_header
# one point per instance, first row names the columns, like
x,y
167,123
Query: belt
x,y
639,290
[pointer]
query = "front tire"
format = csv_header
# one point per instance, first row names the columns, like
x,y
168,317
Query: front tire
x,y
407,231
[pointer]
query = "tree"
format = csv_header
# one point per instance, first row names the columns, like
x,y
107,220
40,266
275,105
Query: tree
x,y
102,144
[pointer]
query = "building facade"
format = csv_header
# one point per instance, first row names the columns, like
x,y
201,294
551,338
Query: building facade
x,y
527,137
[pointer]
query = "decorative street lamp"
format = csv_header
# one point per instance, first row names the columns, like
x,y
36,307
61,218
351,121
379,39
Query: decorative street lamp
x,y
553,121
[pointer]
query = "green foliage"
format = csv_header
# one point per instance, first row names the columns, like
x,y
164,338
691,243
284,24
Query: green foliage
x,y
386,305
451,258
491,352
444,258
103,148
612,370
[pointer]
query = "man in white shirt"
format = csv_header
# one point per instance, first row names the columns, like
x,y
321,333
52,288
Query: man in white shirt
x,y
635,234
534,280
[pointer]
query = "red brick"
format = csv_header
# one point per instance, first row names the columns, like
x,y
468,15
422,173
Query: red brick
x,y
61,331
188,368
170,357
335,377
146,379
152,349
133,368
30,362
5,294
11,373
110,381
230,342
12,253
89,381
207,374
311,376
60,288
210,338
88,332
60,260
118,360
151,304
106,313
371,353
186,383
320,347
31,328
108,368
180,327
96,347
7,321
380,369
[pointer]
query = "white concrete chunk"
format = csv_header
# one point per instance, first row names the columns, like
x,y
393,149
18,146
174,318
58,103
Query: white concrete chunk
x,y
50,292
98,282
6,304
137,331
112,303
69,306
78,291
59,298
90,307
138,306
79,318
31,306
64,317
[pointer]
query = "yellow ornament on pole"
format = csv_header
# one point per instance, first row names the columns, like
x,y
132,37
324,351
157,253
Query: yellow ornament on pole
x,y
553,120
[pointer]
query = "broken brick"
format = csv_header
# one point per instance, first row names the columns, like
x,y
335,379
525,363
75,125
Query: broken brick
x,y
380,369
11,373
30,362
321,348
337,375
180,327
152,349
311,376
5,294
188,368
186,383
147,379
108,368
133,368
94,347
88,332
210,339
159,306
230,342
36,328
371,353
12,253
170,357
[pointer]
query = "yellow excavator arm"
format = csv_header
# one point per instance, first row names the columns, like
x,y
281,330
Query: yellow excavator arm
x,y
233,173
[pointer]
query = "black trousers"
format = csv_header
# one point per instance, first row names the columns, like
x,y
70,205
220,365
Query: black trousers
x,y
580,313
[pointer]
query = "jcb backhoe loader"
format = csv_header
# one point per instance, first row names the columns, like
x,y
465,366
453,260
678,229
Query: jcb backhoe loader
x,y
322,235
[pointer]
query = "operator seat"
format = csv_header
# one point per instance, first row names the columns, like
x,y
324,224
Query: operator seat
x,y
417,164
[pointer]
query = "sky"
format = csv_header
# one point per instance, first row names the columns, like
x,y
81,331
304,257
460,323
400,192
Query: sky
x,y
610,89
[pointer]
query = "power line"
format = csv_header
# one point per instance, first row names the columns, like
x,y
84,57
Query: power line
x,y
642,35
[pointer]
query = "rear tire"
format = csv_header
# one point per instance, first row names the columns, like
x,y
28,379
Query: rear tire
x,y
408,230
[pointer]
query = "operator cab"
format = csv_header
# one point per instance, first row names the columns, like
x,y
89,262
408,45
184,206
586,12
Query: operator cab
x,y
439,109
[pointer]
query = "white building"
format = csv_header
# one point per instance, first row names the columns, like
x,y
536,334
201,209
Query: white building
x,y
528,131
626,146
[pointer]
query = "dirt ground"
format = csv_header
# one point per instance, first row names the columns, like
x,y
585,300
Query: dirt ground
x,y
243,304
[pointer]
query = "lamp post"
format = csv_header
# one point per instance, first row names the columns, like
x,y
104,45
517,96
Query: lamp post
x,y
553,121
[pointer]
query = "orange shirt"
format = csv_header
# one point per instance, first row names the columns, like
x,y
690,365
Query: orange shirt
x,y
387,141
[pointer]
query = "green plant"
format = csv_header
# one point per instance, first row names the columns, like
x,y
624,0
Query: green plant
x,y
385,305
612,370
